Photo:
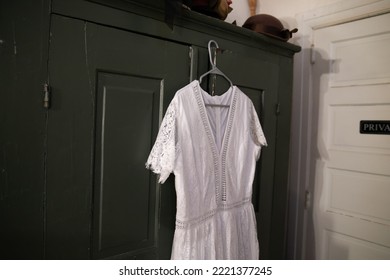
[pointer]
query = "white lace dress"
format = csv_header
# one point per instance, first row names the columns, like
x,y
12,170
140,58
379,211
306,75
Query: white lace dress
x,y
212,150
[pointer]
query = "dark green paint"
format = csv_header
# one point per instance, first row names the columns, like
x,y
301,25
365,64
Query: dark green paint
x,y
24,31
122,185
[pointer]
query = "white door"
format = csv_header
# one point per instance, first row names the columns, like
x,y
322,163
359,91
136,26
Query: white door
x,y
351,74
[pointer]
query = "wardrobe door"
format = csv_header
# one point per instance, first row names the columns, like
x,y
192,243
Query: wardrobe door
x,y
110,89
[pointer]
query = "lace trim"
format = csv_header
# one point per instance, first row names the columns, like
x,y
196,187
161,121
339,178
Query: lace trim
x,y
225,147
210,214
162,157
199,101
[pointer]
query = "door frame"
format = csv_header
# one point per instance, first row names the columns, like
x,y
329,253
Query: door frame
x,y
302,158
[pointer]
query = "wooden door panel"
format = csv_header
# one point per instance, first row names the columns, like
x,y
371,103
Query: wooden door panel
x,y
110,90
123,141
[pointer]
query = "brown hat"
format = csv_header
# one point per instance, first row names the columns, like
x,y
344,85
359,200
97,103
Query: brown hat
x,y
268,25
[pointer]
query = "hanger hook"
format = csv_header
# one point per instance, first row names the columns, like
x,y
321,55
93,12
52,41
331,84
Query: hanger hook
x,y
212,61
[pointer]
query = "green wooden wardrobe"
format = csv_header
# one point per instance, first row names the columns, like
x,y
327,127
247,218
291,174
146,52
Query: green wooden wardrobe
x,y
84,85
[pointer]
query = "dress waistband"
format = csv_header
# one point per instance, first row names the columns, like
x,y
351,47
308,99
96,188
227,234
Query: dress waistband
x,y
210,214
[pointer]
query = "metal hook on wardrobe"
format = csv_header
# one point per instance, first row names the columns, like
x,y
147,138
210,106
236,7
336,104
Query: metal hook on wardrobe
x,y
213,60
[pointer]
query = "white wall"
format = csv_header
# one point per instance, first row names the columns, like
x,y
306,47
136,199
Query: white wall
x,y
284,10
287,9
240,12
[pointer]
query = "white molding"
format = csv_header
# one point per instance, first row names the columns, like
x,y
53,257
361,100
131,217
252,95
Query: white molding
x,y
344,11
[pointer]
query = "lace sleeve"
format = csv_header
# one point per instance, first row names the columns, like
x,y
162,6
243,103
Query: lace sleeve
x,y
257,133
162,157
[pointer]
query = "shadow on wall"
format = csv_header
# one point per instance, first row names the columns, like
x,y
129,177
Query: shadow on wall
x,y
306,218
